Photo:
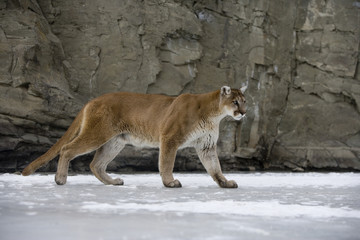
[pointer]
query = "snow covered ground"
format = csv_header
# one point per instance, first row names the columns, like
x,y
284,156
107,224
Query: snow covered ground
x,y
265,206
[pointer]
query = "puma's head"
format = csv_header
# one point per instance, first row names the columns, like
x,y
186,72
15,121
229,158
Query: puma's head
x,y
233,101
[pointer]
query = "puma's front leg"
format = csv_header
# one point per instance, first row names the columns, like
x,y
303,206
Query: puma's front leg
x,y
210,161
166,164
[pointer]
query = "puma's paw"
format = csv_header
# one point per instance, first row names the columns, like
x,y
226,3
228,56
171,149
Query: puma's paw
x,y
229,184
118,181
60,179
174,184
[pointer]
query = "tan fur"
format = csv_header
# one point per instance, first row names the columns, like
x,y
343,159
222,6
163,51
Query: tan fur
x,y
109,122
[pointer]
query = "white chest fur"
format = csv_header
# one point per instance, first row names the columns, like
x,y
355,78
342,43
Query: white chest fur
x,y
205,135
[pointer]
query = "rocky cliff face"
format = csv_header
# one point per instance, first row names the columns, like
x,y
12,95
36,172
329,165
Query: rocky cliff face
x,y
300,60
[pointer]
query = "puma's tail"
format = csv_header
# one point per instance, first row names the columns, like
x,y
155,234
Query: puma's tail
x,y
69,135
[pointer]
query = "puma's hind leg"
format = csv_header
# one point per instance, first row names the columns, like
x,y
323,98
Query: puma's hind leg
x,y
103,156
79,146
96,129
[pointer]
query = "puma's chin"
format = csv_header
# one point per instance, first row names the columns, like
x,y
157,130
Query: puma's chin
x,y
239,117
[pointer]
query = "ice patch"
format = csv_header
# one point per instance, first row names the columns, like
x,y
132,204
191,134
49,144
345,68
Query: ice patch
x,y
311,203
58,196
31,213
260,209
258,231
87,195
30,204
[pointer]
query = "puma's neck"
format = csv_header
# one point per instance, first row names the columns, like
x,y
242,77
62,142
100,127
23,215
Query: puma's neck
x,y
211,105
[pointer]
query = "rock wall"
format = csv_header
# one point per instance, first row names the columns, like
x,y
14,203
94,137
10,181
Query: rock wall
x,y
300,60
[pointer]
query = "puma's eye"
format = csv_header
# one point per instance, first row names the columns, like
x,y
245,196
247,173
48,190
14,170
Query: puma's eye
x,y
244,101
235,102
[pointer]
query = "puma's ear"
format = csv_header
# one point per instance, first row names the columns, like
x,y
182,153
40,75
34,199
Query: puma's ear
x,y
243,89
225,90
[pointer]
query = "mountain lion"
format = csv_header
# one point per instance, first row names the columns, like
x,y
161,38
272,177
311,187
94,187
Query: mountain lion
x,y
107,123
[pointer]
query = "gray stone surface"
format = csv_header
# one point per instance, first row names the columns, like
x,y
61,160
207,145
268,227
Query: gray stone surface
x,y
299,58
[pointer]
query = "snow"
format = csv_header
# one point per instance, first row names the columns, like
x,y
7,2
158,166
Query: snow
x,y
260,209
265,206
